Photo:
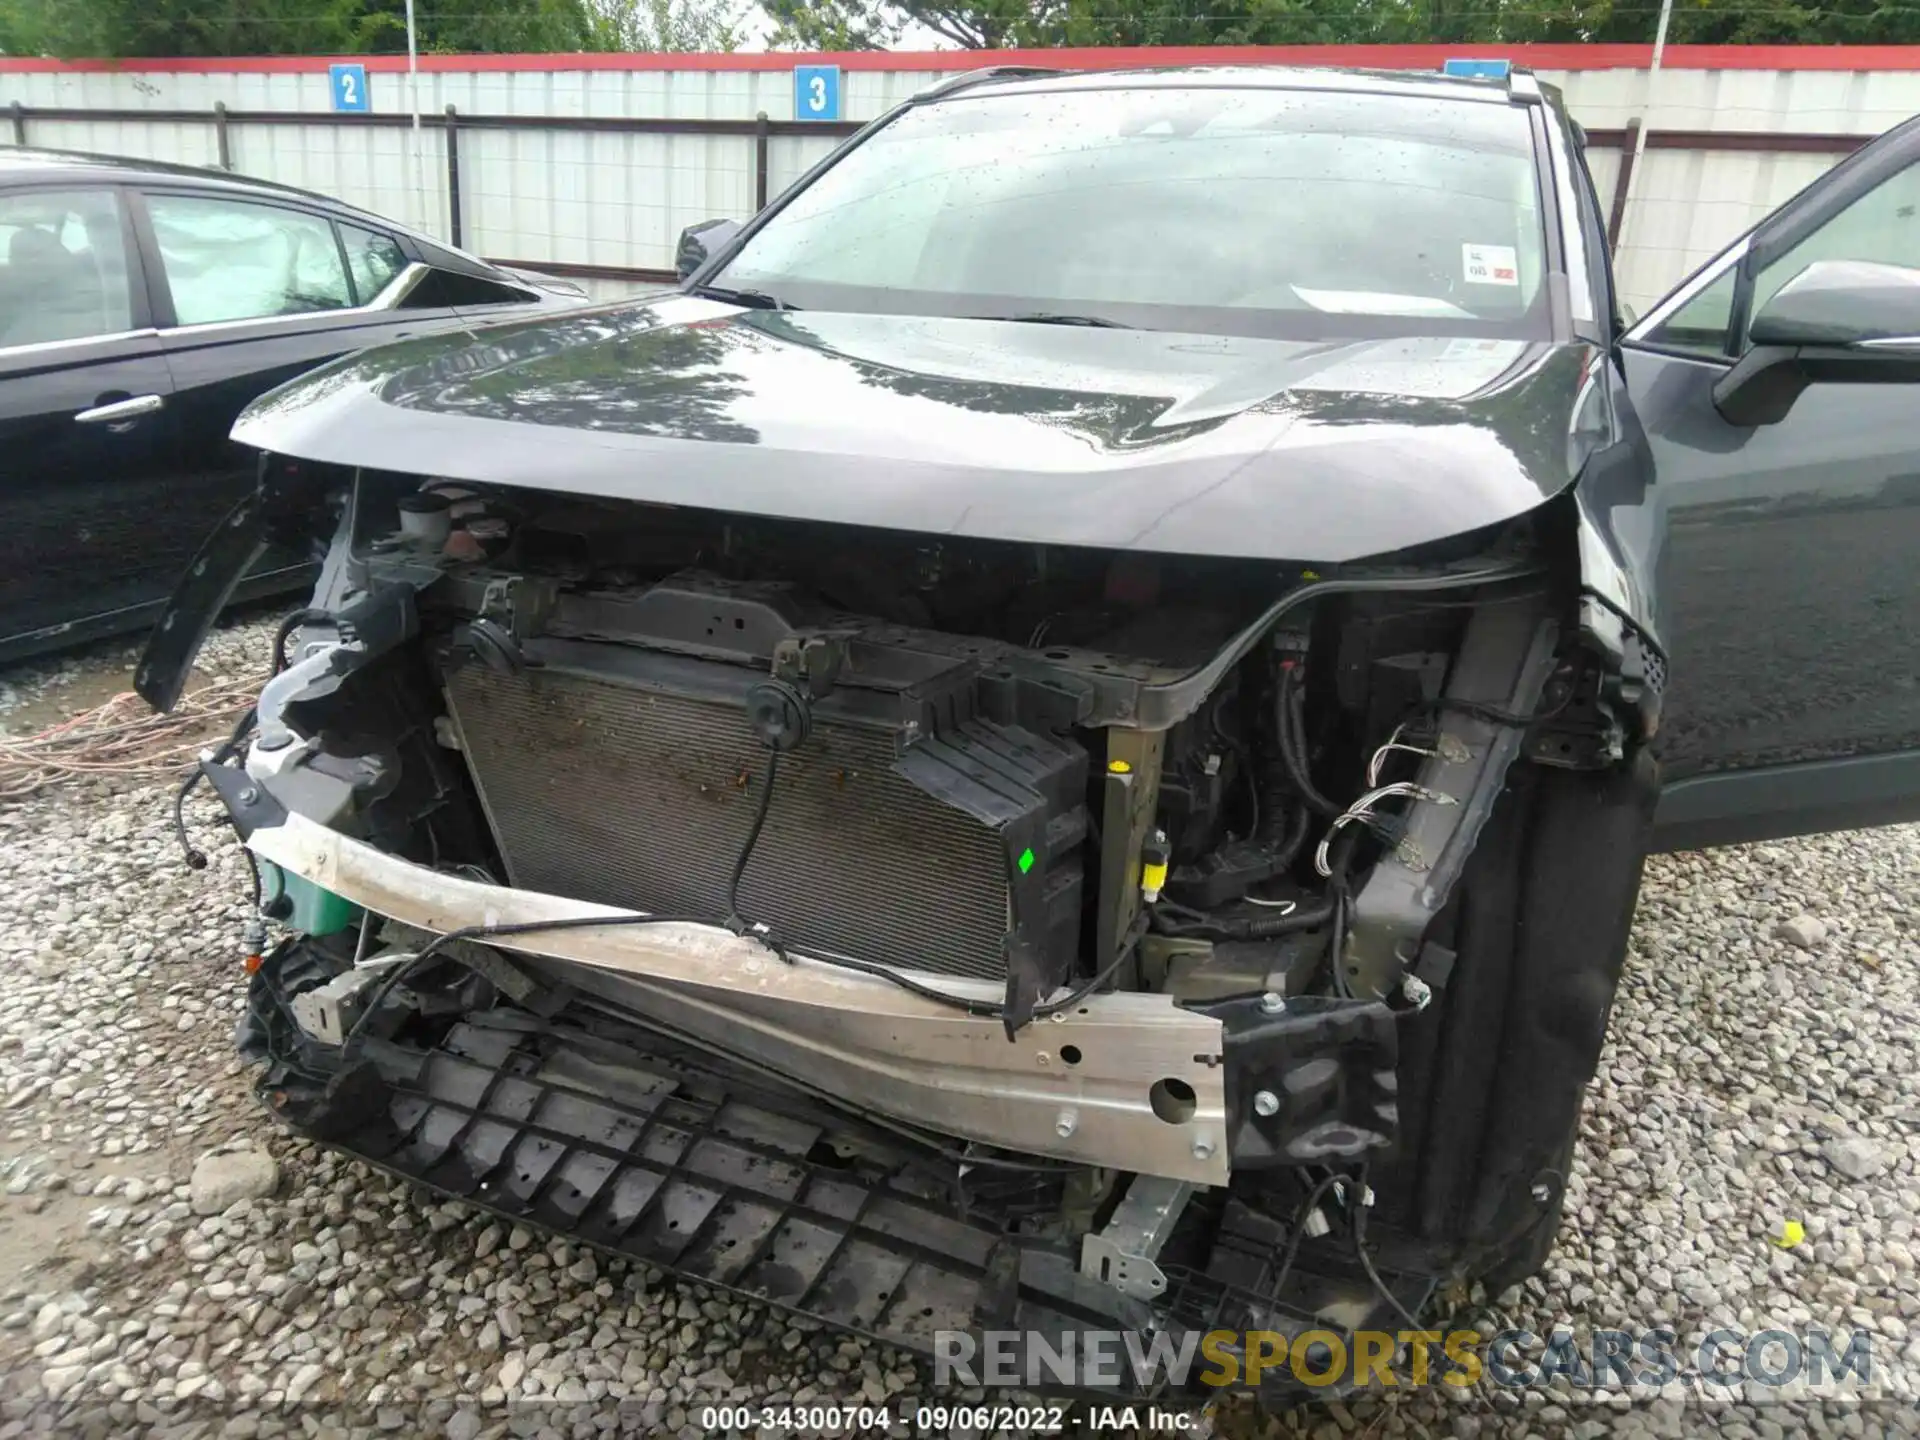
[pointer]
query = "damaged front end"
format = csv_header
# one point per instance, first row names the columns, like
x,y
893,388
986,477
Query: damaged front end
x,y
939,935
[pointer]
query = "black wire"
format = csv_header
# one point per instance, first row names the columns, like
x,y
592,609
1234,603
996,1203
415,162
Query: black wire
x,y
1295,841
980,1009
1172,918
987,1009
1203,680
983,1009
1336,942
1340,858
1128,944
1366,1260
197,859
736,922
734,919
1300,1216
285,633
1291,705
1243,759
411,966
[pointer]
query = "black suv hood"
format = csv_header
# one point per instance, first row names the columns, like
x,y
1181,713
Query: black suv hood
x,y
1049,434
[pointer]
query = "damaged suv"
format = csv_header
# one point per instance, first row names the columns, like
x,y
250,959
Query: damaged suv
x,y
1064,736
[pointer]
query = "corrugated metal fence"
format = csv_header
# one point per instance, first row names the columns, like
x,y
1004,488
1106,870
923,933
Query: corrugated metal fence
x,y
592,164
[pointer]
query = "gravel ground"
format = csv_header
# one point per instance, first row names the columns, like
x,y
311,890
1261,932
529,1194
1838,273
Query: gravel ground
x,y
1761,1069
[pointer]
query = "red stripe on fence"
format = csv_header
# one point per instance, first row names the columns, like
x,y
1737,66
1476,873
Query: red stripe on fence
x,y
1383,57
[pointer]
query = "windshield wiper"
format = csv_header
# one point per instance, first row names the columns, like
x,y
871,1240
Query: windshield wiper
x,y
1095,322
752,299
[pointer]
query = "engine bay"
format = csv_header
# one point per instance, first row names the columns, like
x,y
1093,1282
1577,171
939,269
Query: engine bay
x,y
1042,766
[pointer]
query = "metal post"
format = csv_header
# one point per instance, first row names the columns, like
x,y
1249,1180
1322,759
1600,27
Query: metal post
x,y
760,131
1129,800
1622,182
220,134
413,102
453,177
19,123
1631,172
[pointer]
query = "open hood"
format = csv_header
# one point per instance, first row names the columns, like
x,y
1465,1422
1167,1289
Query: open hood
x,y
1048,434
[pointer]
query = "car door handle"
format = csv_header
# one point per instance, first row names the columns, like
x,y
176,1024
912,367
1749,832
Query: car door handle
x,y
120,410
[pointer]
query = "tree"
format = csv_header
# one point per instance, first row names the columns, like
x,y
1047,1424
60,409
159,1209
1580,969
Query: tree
x,y
679,26
997,24
129,28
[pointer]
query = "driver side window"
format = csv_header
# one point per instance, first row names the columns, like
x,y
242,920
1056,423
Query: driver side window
x,y
1702,323
1883,226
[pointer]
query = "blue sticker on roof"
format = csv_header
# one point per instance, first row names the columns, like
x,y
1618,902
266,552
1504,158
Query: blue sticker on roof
x,y
1478,69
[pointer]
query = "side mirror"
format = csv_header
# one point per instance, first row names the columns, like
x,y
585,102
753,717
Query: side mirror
x,y
1840,321
700,243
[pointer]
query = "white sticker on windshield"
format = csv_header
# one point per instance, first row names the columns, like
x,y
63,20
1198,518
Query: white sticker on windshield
x,y
1464,349
1490,264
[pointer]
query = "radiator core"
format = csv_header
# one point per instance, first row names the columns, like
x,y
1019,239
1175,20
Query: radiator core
x,y
641,798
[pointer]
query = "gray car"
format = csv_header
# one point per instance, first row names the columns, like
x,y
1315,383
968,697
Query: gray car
x,y
1063,739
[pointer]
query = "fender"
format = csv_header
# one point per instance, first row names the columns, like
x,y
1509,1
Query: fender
x,y
1620,540
282,508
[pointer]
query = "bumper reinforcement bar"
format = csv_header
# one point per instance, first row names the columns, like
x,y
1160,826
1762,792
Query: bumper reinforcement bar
x,y
1078,1086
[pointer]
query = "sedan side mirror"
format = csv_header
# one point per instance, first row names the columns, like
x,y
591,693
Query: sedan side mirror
x,y
700,243
1843,321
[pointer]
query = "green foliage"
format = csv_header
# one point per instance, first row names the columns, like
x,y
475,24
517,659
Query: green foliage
x,y
995,24
132,28
680,26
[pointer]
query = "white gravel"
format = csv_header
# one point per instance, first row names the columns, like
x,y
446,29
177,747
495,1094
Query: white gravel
x,y
1761,1068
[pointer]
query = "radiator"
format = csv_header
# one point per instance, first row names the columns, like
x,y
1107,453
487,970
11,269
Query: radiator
x,y
625,794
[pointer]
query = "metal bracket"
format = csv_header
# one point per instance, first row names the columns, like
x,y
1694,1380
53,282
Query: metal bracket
x,y
518,605
1504,662
811,662
329,1012
1123,1254
1130,796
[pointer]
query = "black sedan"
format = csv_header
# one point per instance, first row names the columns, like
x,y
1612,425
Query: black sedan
x,y
142,306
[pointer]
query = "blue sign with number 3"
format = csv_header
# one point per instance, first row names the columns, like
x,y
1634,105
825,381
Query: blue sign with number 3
x,y
816,92
349,86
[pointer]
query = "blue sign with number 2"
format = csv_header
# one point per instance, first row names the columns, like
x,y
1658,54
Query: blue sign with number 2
x,y
816,92
349,86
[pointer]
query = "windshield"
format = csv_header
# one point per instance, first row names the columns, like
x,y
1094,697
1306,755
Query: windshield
x,y
1263,212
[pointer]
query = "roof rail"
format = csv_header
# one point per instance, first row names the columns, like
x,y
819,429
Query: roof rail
x,y
986,74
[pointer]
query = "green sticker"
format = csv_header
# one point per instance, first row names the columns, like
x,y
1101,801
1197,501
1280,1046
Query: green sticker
x,y
1026,860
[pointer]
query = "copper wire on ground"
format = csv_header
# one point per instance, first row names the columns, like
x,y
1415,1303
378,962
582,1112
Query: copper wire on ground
x,y
122,740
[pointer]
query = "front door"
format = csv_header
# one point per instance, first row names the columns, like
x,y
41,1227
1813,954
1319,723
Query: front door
x,y
89,506
1790,574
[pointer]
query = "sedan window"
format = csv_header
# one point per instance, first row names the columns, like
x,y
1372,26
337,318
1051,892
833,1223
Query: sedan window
x,y
235,260
1255,211
63,267
374,260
